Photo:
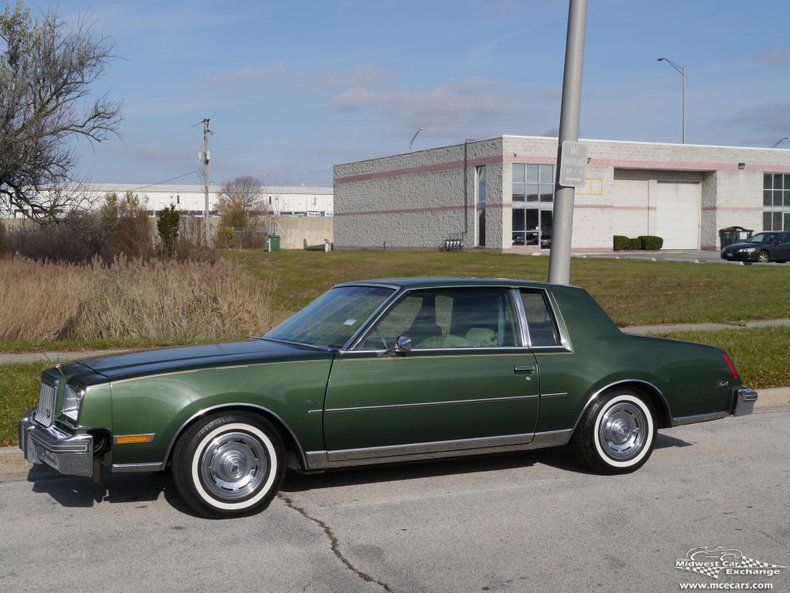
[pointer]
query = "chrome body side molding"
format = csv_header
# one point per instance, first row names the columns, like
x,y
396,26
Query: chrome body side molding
x,y
480,400
123,468
317,460
681,420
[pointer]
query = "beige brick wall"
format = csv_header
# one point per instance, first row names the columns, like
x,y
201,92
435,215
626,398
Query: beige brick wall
x,y
416,200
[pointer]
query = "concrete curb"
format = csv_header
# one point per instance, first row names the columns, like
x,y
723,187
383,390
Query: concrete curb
x,y
14,466
683,327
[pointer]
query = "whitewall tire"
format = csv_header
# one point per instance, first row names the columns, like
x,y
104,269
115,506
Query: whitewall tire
x,y
229,465
617,432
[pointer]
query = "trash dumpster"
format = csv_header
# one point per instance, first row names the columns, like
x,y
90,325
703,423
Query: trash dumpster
x,y
273,243
734,234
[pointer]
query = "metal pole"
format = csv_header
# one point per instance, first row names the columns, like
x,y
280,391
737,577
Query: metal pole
x,y
560,255
206,158
683,75
414,137
682,71
466,187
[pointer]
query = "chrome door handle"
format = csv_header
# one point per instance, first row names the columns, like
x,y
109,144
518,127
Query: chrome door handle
x,y
524,370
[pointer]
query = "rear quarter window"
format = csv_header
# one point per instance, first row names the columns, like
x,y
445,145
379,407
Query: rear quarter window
x,y
541,324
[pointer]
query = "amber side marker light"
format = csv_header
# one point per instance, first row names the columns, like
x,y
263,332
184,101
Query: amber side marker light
x,y
731,366
128,439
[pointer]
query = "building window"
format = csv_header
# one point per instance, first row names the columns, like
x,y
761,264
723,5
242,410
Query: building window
x,y
480,206
776,202
533,204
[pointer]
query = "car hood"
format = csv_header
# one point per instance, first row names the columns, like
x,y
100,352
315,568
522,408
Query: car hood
x,y
737,246
168,360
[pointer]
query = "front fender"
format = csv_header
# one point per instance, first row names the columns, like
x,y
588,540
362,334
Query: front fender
x,y
162,405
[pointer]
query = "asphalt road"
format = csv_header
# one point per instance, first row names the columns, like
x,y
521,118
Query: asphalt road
x,y
526,522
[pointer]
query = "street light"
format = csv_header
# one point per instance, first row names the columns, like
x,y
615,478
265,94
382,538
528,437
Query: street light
x,y
682,71
413,137
780,141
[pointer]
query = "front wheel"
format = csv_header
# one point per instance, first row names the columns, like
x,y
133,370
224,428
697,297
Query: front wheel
x,y
616,433
763,257
229,465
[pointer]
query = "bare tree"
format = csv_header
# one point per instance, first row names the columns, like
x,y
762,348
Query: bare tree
x,y
241,200
46,71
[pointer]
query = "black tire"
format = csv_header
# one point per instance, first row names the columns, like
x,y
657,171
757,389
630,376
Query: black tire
x,y
763,257
229,465
616,433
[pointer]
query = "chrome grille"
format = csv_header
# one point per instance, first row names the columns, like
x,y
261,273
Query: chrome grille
x,y
45,414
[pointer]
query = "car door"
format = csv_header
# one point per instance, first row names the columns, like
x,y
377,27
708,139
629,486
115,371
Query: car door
x,y
467,381
782,252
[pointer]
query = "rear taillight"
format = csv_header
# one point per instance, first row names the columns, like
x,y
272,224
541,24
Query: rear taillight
x,y
731,366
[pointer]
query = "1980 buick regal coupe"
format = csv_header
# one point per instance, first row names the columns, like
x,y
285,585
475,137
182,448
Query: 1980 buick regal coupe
x,y
377,372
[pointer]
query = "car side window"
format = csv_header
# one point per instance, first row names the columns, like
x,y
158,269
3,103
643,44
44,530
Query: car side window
x,y
540,321
448,318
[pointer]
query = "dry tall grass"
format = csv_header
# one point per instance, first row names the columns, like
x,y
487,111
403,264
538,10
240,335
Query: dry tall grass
x,y
157,300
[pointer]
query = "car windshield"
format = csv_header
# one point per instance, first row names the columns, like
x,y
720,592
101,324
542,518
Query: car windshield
x,y
761,238
331,319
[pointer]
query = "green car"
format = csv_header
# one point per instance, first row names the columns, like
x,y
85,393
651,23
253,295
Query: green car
x,y
377,372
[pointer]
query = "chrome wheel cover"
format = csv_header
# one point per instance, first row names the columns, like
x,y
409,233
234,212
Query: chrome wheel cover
x,y
233,466
623,431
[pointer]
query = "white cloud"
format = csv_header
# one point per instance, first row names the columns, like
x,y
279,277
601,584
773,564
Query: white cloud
x,y
450,109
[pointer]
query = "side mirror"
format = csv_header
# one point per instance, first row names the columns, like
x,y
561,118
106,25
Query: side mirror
x,y
402,346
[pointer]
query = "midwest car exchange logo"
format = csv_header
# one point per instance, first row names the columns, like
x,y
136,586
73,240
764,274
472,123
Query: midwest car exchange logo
x,y
712,562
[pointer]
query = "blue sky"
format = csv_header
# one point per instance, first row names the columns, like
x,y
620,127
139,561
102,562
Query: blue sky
x,y
294,87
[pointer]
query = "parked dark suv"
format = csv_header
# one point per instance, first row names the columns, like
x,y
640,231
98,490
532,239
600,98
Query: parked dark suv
x,y
762,247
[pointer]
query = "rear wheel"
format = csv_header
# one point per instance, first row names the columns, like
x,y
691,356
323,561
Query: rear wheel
x,y
229,465
763,257
616,433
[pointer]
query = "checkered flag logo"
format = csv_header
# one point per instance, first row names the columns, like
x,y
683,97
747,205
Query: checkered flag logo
x,y
710,562
752,563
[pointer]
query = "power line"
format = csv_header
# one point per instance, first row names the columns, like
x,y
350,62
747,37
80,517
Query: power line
x,y
166,180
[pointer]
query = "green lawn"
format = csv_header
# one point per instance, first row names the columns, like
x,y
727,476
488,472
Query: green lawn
x,y
18,393
760,355
632,292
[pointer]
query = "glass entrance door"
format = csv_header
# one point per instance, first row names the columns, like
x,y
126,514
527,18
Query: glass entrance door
x,y
532,226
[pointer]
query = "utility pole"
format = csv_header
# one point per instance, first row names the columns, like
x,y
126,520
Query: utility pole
x,y
206,158
560,255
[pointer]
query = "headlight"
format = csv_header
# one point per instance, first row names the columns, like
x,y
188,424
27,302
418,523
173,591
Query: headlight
x,y
747,250
72,398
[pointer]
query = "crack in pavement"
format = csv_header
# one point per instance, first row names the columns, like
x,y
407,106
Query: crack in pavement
x,y
335,545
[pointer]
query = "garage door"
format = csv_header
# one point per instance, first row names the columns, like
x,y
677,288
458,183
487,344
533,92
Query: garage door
x,y
678,214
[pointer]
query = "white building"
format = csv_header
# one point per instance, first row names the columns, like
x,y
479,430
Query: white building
x,y
498,194
190,199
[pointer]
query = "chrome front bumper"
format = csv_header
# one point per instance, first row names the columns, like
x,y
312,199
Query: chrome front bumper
x,y
744,401
69,454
